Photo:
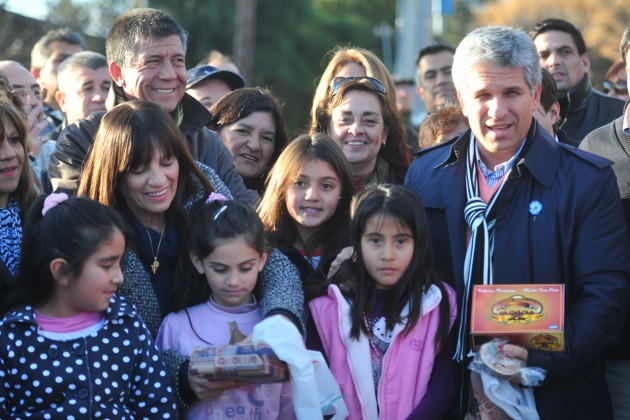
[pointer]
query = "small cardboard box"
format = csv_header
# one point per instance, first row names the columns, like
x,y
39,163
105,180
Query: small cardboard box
x,y
530,315
254,362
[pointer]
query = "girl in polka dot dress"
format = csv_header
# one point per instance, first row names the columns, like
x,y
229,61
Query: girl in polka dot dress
x,y
386,309
69,347
227,248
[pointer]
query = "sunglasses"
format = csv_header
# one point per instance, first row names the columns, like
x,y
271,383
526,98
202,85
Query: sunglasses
x,y
337,82
620,87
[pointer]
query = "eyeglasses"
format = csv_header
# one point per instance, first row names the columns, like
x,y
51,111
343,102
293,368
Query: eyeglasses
x,y
337,82
24,92
620,87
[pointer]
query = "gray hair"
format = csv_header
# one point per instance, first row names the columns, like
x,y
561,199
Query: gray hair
x,y
497,45
84,59
136,26
41,50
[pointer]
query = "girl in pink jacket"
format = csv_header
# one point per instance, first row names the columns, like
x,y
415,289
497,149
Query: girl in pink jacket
x,y
386,309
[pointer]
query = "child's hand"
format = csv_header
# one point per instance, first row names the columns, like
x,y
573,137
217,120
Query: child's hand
x,y
343,255
207,390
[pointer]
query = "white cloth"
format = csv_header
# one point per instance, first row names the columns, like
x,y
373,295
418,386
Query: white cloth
x,y
315,390
517,402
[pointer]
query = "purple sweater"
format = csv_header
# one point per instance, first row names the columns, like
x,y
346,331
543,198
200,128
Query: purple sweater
x,y
208,323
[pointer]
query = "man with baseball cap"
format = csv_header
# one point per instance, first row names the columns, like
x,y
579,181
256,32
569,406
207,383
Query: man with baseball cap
x,y
208,84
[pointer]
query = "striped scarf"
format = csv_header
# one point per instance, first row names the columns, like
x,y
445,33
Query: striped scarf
x,y
11,235
481,218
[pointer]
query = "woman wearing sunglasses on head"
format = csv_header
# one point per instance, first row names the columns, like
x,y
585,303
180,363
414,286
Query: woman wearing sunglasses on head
x,y
359,116
615,83
351,62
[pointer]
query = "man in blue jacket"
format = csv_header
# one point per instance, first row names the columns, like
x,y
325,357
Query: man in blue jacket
x,y
535,212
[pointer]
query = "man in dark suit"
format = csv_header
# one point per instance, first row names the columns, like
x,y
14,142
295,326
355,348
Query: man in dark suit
x,y
507,204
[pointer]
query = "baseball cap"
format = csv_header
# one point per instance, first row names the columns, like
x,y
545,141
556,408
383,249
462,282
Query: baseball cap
x,y
197,74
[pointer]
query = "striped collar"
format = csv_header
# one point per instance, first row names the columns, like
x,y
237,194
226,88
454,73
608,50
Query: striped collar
x,y
492,177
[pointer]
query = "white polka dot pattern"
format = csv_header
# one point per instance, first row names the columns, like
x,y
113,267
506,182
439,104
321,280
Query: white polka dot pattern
x,y
115,372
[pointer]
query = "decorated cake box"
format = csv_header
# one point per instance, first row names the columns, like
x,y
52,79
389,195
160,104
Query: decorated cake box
x,y
530,315
253,362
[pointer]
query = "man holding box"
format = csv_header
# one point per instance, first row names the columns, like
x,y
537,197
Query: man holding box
x,y
519,208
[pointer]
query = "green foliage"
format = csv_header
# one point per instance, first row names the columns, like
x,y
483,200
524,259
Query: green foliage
x,y
66,13
373,11
92,17
210,24
292,38
293,64
458,24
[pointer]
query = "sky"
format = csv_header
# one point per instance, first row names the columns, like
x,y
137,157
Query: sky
x,y
32,8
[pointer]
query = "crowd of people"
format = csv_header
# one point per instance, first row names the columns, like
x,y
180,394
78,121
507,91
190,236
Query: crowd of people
x,y
147,209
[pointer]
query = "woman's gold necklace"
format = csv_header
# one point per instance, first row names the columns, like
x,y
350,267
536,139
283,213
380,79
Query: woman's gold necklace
x,y
156,263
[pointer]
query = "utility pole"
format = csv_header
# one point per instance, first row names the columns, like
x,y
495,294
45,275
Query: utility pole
x,y
245,37
385,31
414,23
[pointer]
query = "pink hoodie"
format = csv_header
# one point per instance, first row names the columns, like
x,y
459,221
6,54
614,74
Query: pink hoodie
x,y
407,364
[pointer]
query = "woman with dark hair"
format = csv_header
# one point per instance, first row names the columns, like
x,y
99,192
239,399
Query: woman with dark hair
x,y
19,186
34,127
151,178
250,122
362,120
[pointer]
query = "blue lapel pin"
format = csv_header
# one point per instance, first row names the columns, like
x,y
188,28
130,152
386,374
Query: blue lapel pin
x,y
535,207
